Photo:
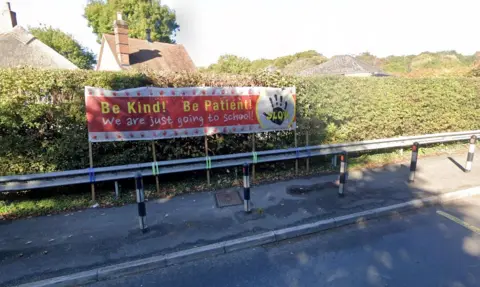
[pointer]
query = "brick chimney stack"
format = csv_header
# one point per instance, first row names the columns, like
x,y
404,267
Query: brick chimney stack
x,y
120,29
8,18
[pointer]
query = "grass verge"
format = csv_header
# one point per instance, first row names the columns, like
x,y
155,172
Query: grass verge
x,y
65,199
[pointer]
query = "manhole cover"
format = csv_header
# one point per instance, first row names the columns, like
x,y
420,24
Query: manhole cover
x,y
228,198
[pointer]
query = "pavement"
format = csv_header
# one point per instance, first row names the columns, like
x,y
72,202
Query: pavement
x,y
415,249
49,246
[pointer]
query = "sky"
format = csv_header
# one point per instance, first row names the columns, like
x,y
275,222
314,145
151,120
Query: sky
x,y
271,28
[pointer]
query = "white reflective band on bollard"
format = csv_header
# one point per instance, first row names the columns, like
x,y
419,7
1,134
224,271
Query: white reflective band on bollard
x,y
343,174
142,210
471,153
246,188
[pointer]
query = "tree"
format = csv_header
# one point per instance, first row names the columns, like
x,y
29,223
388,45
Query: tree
x,y
368,58
139,14
65,45
231,64
291,64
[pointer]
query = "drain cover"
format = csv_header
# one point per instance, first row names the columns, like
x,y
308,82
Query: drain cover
x,y
228,197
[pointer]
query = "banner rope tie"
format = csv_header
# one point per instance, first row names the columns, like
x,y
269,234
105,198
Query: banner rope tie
x,y
208,162
255,157
91,174
155,168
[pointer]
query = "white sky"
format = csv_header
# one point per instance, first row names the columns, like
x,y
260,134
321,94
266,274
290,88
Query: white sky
x,y
271,28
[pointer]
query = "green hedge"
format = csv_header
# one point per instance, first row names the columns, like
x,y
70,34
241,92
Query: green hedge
x,y
43,126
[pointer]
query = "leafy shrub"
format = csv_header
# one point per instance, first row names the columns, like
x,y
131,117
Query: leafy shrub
x,y
43,125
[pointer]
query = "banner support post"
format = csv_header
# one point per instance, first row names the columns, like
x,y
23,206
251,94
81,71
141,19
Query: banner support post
x,y
90,155
253,150
296,147
154,152
206,156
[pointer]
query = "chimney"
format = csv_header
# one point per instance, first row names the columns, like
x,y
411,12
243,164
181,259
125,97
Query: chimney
x,y
120,29
8,18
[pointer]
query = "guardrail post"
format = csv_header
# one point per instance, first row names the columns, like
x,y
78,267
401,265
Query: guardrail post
x,y
334,160
116,190
413,163
343,174
142,210
246,188
207,157
157,181
92,175
254,153
471,152
296,147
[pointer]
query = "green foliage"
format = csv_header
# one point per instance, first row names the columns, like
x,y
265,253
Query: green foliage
x,y
43,125
474,72
351,109
232,64
303,64
139,15
65,45
423,64
368,58
397,64
427,64
261,64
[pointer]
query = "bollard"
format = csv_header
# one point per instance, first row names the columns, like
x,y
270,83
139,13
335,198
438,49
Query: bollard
x,y
343,174
413,163
471,152
142,210
246,188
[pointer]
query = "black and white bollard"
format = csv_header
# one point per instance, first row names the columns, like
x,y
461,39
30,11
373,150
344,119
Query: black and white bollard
x,y
413,162
246,188
343,174
142,210
471,152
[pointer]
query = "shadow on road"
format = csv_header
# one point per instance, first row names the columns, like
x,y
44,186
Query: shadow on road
x,y
95,237
457,164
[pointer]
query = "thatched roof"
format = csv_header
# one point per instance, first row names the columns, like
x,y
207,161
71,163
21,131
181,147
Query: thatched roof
x,y
20,48
342,65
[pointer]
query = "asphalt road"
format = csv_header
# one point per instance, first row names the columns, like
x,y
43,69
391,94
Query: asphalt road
x,y
416,249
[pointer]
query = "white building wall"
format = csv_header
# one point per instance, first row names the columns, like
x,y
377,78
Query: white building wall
x,y
108,61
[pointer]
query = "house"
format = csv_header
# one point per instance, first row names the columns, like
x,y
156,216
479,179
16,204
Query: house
x,y
344,65
20,48
119,52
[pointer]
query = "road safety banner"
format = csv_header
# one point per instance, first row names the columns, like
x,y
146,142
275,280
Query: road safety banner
x,y
150,113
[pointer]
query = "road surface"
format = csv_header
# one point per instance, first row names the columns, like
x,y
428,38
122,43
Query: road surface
x,y
438,246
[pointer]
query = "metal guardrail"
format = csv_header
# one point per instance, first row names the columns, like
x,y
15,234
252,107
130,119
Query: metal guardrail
x,y
113,173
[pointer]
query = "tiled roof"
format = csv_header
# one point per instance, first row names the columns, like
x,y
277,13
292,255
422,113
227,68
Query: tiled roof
x,y
341,65
155,55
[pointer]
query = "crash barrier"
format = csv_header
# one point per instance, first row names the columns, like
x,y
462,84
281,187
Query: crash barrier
x,y
115,173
